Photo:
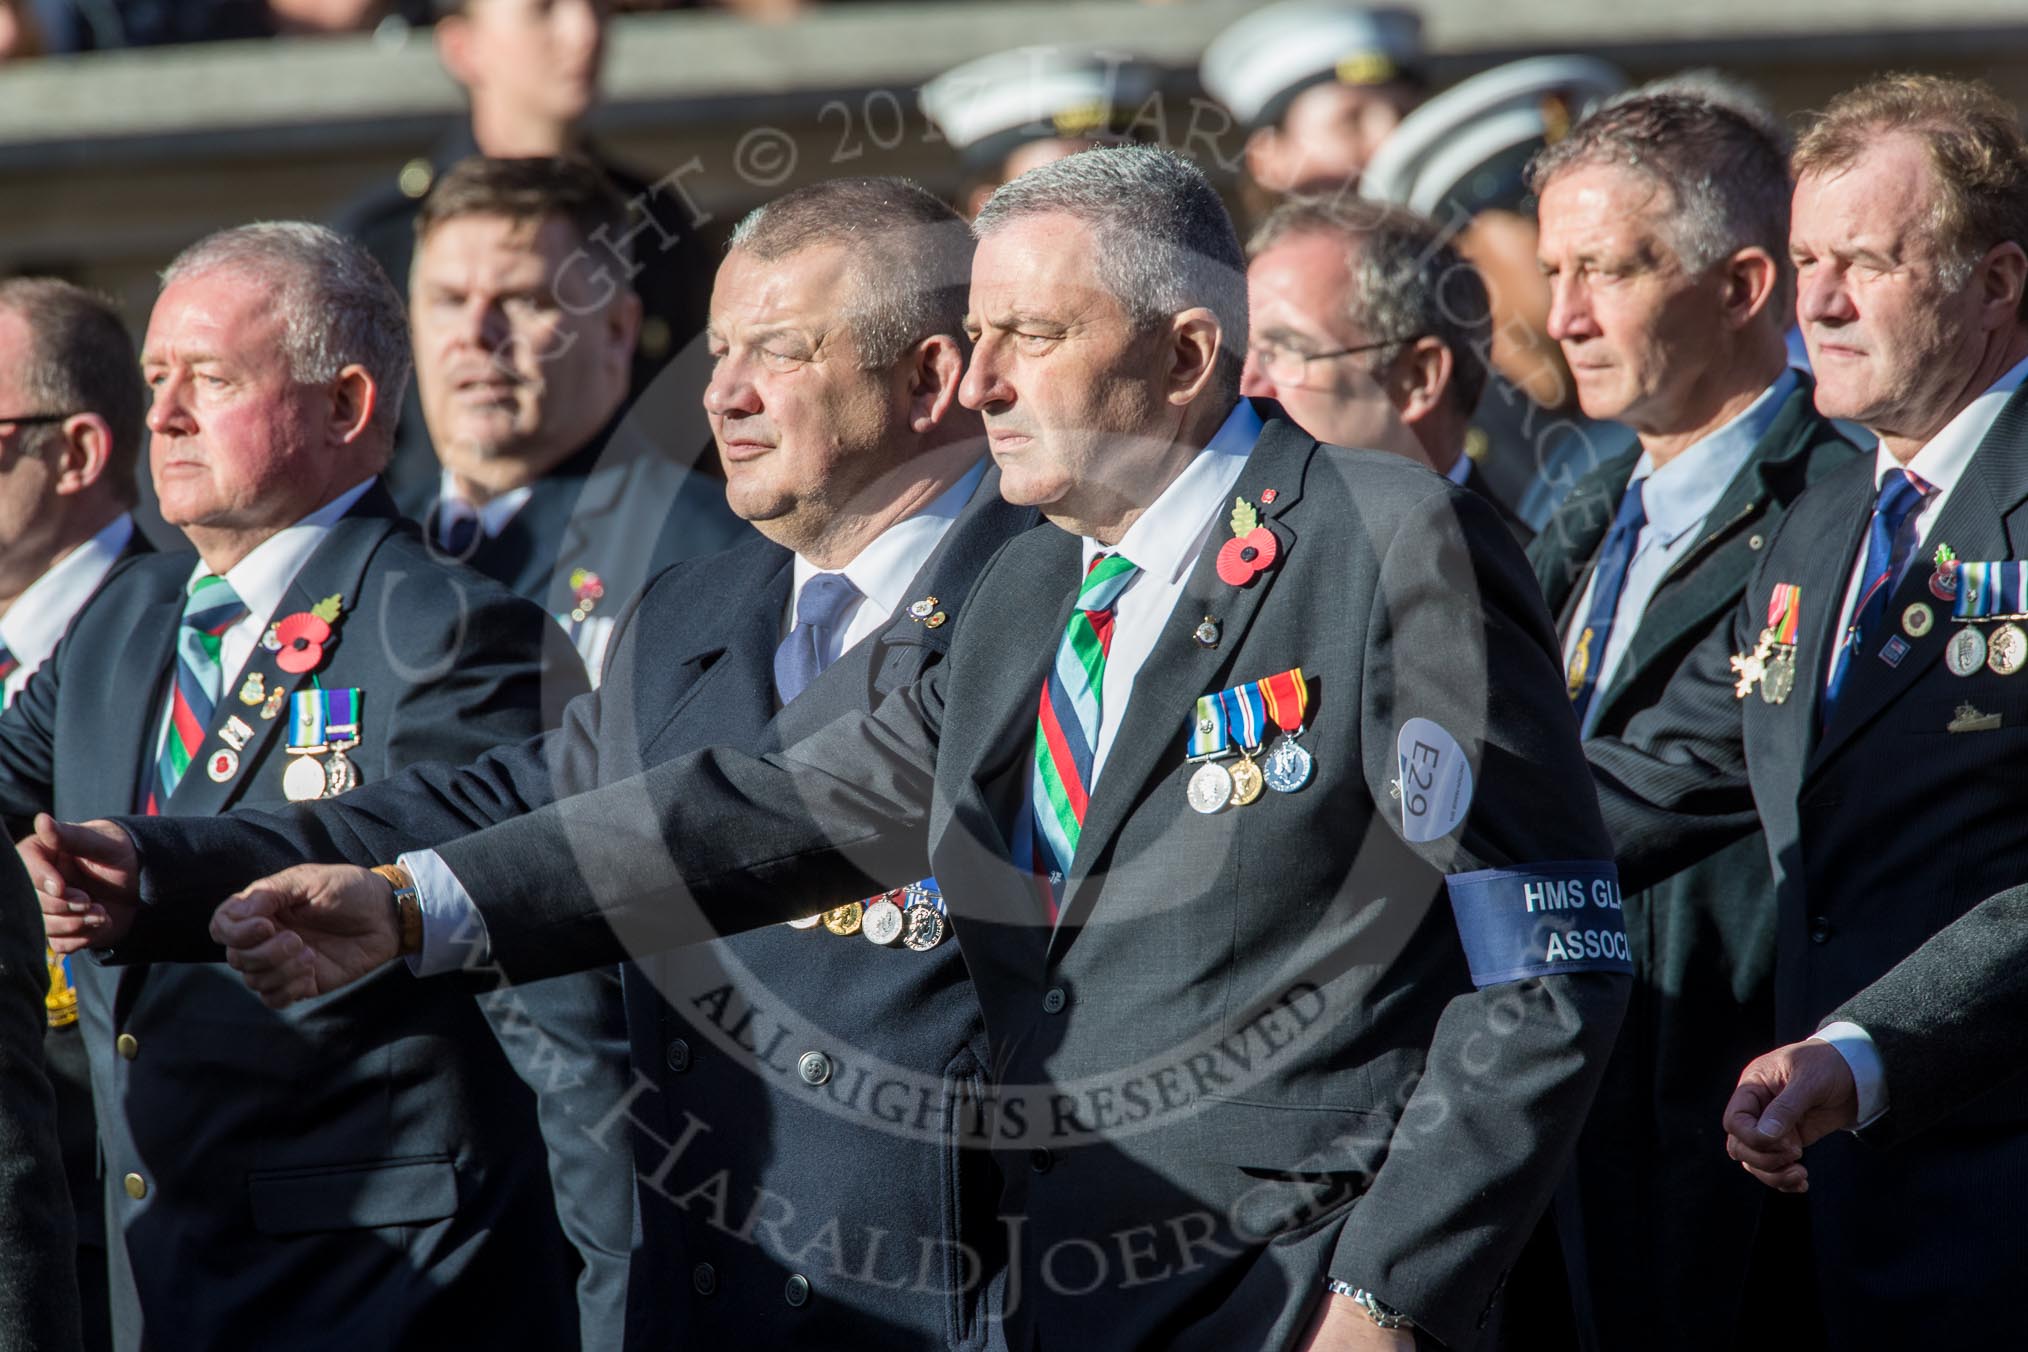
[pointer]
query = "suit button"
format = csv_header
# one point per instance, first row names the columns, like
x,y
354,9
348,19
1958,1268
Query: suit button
x,y
129,1045
1820,931
1054,1001
677,1057
797,1291
704,1278
137,1186
1041,1161
815,1068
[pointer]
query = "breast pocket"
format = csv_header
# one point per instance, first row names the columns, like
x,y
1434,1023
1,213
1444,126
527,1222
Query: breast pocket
x,y
413,1191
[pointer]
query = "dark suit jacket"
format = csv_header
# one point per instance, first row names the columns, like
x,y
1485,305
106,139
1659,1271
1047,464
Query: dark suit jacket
x,y
1663,1210
1476,481
364,1168
1233,1068
743,1164
38,1250
1881,828
1950,1019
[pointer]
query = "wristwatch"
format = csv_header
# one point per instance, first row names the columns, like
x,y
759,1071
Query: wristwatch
x,y
1382,1314
408,924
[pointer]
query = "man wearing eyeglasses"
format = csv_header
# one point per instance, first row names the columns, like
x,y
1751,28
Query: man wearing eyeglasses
x,y
1372,332
70,440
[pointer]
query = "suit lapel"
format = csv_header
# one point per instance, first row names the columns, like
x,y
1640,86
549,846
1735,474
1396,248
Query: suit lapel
x,y
1973,523
1179,669
143,673
738,656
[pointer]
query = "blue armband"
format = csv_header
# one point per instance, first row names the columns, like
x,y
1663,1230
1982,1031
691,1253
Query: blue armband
x,y
1542,920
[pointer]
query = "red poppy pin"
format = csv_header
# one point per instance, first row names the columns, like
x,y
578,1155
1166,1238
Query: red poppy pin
x,y
1250,551
299,639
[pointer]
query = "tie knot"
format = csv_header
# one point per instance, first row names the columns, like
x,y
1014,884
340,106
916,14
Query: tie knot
x,y
824,600
212,606
1107,577
1633,512
1900,491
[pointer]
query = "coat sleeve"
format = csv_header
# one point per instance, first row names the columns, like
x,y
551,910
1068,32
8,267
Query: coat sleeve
x,y
1950,1019
1461,661
28,749
38,1245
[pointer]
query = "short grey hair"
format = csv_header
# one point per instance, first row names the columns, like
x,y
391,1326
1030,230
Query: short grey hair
x,y
338,308
1164,242
1728,182
911,254
1408,281
1725,90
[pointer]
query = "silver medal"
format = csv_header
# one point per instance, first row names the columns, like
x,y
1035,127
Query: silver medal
x,y
303,781
925,927
1288,765
340,774
807,922
1966,652
1210,788
2007,650
882,922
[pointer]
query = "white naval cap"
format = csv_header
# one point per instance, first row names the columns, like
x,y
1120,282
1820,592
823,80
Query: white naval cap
x,y
1262,62
1469,146
989,107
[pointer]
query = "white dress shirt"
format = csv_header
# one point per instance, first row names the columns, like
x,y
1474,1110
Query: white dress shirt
x,y
36,622
1941,463
454,930
492,515
1677,499
261,580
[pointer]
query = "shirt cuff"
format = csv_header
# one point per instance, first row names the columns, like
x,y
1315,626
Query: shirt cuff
x,y
454,933
1862,1058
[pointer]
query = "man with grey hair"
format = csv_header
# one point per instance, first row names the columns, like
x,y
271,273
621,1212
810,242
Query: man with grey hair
x,y
1291,1026
367,1170
1371,330
1664,235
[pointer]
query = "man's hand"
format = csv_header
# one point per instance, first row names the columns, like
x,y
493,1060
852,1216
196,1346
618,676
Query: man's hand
x,y
1341,1326
1791,1098
88,877
308,930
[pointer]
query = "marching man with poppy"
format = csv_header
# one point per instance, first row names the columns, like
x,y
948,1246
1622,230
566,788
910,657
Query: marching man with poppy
x,y
323,1177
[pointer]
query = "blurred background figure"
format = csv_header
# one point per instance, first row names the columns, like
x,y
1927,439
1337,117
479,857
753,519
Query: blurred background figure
x,y
531,70
1319,85
1367,328
1460,159
1013,111
522,348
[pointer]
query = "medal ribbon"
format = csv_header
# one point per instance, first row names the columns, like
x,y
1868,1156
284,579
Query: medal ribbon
x,y
1288,699
1784,612
1245,714
1986,590
1208,735
925,893
306,720
341,714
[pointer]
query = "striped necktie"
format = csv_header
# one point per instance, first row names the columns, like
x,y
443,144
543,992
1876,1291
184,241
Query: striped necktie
x,y
211,608
1890,537
1066,731
8,663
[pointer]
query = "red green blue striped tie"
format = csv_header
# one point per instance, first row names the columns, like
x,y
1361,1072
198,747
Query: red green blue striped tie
x,y
1066,732
211,608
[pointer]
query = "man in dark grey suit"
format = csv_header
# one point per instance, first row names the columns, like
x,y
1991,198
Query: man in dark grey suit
x,y
1253,1083
1371,330
1860,709
367,1169
865,474
1664,237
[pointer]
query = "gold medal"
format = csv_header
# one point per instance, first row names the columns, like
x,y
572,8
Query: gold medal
x,y
844,919
1246,781
304,781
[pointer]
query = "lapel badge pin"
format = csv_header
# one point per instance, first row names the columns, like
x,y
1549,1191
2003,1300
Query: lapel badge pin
x,y
1917,620
254,690
1267,496
1892,651
1969,719
273,704
1206,633
223,765
1943,583
586,590
923,609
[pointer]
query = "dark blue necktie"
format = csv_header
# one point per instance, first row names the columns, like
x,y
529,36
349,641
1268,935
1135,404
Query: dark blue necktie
x,y
1610,580
460,534
1889,540
820,614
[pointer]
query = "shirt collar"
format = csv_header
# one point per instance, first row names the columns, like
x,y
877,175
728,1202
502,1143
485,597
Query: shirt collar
x,y
1460,470
492,516
35,622
1942,460
883,569
1680,494
1167,538
262,578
